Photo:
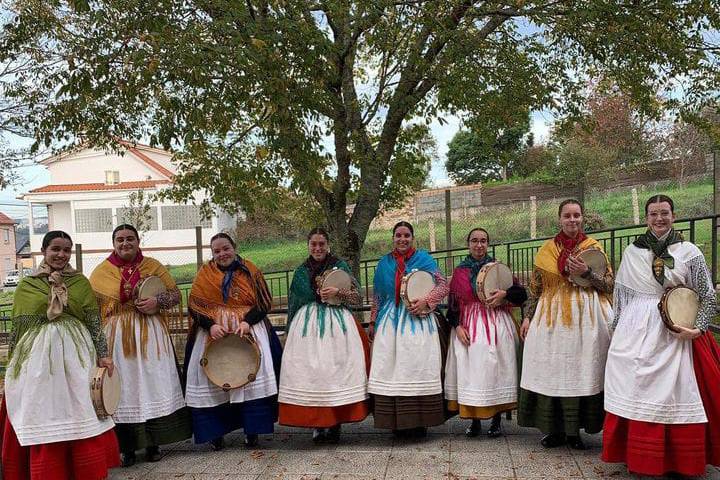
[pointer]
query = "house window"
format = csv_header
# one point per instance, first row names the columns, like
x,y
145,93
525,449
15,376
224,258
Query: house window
x,y
125,215
6,236
112,177
93,220
181,217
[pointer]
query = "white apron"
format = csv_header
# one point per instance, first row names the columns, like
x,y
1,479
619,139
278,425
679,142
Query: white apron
x,y
485,373
200,392
406,356
323,369
49,401
568,361
650,375
150,386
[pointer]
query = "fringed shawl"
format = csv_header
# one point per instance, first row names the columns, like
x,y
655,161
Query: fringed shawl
x,y
30,306
105,280
556,287
248,290
384,282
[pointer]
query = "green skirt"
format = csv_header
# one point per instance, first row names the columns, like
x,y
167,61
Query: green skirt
x,y
172,428
561,414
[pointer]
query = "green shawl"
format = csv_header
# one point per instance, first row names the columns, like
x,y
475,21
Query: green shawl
x,y
29,315
661,257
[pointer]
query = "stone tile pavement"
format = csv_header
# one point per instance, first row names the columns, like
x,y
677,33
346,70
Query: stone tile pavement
x,y
365,453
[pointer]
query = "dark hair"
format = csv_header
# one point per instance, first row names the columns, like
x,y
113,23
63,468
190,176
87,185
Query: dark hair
x,y
477,229
570,201
319,231
223,235
403,223
125,226
659,199
52,235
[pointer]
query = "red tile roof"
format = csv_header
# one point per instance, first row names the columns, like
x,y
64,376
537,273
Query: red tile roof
x,y
5,220
88,187
149,161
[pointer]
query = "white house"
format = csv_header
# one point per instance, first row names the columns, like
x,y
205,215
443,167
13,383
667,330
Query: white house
x,y
88,196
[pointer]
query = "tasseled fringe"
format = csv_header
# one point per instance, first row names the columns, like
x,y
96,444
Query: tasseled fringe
x,y
126,315
556,285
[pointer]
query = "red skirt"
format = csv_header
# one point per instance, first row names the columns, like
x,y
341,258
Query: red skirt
x,y
86,459
656,448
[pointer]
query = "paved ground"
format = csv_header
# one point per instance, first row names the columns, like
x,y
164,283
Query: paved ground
x,y
364,453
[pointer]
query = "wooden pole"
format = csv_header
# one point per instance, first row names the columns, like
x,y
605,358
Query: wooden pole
x,y
448,221
533,216
78,257
198,246
635,206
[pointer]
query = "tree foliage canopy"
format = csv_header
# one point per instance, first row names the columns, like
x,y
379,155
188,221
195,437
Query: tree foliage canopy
x,y
321,95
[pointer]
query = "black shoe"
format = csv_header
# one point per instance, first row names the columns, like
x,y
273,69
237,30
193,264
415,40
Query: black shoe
x,y
318,435
333,434
152,454
128,459
553,440
217,444
495,429
402,432
474,429
251,440
575,442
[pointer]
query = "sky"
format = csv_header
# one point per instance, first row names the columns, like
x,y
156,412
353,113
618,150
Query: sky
x,y
37,176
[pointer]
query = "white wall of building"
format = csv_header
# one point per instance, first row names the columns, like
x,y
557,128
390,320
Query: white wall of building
x,y
93,163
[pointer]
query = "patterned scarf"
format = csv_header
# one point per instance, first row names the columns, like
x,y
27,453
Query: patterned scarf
x,y
661,257
316,268
129,274
228,278
58,294
567,247
400,270
475,265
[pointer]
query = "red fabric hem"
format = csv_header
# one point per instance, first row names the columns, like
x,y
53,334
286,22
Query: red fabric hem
x,y
322,417
86,459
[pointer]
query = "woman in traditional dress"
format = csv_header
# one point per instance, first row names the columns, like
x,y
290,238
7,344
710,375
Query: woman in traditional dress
x,y
323,380
230,297
409,345
561,387
151,410
662,387
48,427
481,374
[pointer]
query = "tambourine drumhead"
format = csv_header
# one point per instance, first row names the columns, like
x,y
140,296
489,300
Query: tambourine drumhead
x,y
151,286
415,286
336,278
105,392
679,306
593,258
231,362
493,276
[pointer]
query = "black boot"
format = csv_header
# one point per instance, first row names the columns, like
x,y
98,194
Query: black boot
x,y
474,429
553,440
495,429
251,440
318,435
217,444
419,432
333,434
575,442
128,459
152,454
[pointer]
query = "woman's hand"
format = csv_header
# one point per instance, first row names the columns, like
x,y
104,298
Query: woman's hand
x,y
496,297
217,332
243,329
419,307
576,266
462,335
524,328
327,293
148,306
686,333
107,363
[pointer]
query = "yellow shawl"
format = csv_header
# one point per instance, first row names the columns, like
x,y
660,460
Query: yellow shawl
x,y
105,281
554,283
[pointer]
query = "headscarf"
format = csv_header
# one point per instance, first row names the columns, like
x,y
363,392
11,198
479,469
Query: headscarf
x,y
659,248
58,295
316,268
568,246
129,274
475,265
400,269
228,278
